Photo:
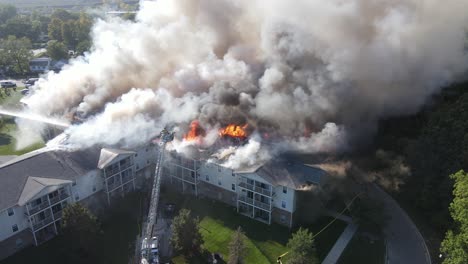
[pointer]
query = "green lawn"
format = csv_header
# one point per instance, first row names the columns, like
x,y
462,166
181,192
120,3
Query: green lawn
x,y
8,126
265,242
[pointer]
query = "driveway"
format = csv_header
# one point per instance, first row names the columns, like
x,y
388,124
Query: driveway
x,y
405,244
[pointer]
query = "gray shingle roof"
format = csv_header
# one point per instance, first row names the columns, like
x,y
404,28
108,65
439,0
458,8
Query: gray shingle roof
x,y
45,164
290,174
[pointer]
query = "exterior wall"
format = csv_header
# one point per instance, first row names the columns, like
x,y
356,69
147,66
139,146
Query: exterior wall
x,y
216,193
7,222
87,185
219,176
15,243
282,217
280,197
144,156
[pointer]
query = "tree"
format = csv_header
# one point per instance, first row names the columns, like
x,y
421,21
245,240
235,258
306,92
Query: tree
x,y
455,244
186,236
21,27
57,50
237,247
83,46
7,12
81,230
55,29
62,14
68,33
302,248
16,53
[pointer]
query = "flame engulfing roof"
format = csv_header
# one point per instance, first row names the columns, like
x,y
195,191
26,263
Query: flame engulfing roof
x,y
234,131
195,131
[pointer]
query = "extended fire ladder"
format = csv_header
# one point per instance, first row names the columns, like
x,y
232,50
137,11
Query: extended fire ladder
x,y
165,137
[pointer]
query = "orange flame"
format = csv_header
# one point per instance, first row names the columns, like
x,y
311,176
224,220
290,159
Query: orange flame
x,y
195,131
234,131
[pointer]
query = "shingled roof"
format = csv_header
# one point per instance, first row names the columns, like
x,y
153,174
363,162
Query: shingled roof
x,y
42,167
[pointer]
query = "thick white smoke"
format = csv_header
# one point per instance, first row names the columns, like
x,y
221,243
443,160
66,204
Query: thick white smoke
x,y
310,73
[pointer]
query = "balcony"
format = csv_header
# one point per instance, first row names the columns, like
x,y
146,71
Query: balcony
x,y
125,166
42,223
256,189
59,198
112,172
262,205
38,208
58,215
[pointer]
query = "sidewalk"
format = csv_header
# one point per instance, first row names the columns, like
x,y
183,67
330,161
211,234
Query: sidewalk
x,y
340,244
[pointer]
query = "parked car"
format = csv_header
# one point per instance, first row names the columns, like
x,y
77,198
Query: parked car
x,y
154,254
7,84
25,91
31,81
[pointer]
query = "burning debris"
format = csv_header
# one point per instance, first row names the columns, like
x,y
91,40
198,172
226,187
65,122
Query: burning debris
x,y
273,67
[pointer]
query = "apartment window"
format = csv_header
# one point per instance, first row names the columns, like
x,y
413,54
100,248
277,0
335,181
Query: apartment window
x,y
285,190
77,197
136,155
192,173
219,168
37,202
207,178
146,149
10,212
219,182
14,228
233,187
283,204
94,188
74,183
232,173
138,167
147,161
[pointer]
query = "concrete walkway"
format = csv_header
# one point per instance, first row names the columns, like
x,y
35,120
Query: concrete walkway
x,y
340,244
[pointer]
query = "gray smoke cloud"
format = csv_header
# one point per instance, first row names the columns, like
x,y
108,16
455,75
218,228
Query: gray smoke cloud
x,y
308,74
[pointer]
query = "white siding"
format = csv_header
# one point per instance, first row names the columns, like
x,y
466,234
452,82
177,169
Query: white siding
x,y
287,197
144,156
217,173
85,184
6,222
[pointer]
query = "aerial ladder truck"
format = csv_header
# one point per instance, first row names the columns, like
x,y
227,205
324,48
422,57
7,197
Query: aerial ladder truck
x,y
149,244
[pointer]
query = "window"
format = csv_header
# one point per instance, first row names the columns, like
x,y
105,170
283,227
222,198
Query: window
x,y
94,188
136,155
10,212
37,202
232,173
147,161
283,204
192,173
233,187
146,149
14,228
219,182
74,183
219,168
77,197
207,178
138,167
285,190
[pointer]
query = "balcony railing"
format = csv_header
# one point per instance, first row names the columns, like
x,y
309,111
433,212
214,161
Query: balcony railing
x,y
42,223
248,186
58,215
38,208
110,173
125,166
111,187
246,199
59,198
262,205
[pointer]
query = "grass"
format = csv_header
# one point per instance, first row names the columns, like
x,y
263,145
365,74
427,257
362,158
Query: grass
x,y
120,229
8,126
363,250
264,242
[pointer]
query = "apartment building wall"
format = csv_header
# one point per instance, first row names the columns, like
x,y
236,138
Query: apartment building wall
x,y
87,185
7,222
284,198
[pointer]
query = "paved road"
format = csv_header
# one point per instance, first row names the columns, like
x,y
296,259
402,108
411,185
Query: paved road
x,y
405,245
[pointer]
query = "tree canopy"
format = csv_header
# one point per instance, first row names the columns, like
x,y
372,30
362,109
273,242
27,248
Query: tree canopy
x,y
15,54
302,248
57,50
186,236
237,247
455,244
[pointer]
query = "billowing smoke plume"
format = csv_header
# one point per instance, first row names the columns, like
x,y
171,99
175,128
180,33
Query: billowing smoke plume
x,y
306,74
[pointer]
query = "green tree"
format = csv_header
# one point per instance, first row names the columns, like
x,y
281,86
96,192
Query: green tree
x,y
83,46
81,230
62,14
186,236
302,248
83,27
455,244
16,54
55,29
21,27
57,50
68,33
7,12
237,247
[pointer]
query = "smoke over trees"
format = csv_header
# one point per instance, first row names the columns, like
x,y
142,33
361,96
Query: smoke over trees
x,y
314,75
